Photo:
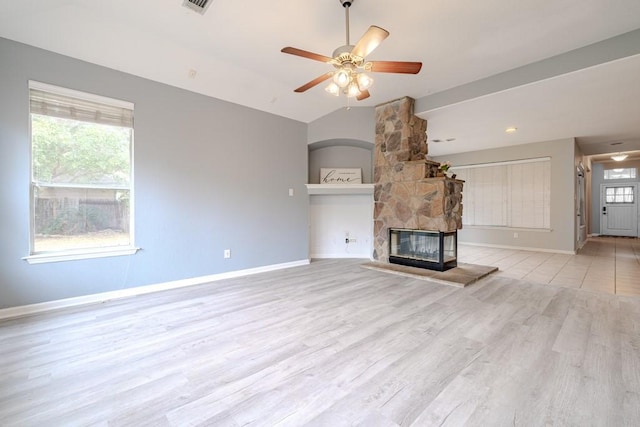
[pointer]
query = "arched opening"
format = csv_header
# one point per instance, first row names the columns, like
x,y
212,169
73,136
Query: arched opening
x,y
341,153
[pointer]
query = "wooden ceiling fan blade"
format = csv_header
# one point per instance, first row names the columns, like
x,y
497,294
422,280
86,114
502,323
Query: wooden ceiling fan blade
x,y
402,67
369,41
305,54
314,82
363,95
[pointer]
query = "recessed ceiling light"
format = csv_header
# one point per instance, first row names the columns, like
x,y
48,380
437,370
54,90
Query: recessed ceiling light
x,y
616,143
436,140
511,130
450,139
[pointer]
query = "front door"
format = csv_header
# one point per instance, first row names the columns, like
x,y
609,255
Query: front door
x,y
619,210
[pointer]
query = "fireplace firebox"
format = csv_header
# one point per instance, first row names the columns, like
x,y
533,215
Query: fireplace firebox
x,y
434,250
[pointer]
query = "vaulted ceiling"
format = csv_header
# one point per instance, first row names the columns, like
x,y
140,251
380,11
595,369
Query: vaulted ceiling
x,y
552,68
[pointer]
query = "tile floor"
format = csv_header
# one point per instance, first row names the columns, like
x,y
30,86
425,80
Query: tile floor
x,y
604,264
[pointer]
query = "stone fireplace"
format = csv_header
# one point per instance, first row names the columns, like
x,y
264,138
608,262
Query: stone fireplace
x,y
410,192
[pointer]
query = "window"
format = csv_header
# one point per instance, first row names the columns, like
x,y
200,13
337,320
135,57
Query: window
x,y
626,173
619,195
81,171
513,194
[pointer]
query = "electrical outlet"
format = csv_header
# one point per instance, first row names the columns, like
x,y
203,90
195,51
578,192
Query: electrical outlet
x,y
515,235
227,253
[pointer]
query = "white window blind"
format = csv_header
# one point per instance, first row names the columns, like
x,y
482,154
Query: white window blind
x,y
508,194
64,103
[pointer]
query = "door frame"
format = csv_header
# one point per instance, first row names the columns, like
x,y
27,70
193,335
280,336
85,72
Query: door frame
x,y
581,207
602,206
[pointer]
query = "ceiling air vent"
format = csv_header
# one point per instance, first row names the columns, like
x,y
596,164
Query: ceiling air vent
x,y
199,6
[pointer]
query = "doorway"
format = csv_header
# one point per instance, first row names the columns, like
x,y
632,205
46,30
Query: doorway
x,y
619,209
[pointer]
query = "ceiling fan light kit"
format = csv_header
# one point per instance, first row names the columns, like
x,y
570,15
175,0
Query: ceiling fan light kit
x,y
364,81
343,77
619,157
350,77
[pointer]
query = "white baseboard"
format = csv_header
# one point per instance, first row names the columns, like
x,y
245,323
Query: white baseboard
x,y
24,310
341,255
519,248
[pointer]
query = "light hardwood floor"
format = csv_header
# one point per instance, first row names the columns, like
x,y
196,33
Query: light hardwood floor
x,y
329,344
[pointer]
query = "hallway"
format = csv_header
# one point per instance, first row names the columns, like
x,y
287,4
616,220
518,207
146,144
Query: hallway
x,y
604,264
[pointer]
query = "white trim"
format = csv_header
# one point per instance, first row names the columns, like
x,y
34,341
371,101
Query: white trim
x,y
80,95
85,254
519,248
23,310
340,188
497,227
82,186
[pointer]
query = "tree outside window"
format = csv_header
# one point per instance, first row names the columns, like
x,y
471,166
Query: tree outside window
x,y
81,172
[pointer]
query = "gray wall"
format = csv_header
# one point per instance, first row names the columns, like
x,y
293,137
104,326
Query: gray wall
x,y
340,154
562,236
597,178
357,123
209,175
344,138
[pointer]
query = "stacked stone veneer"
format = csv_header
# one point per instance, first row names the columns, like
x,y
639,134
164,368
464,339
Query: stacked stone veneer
x,y
408,191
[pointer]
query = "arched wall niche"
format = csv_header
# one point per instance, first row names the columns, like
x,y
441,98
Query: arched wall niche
x,y
341,153
355,123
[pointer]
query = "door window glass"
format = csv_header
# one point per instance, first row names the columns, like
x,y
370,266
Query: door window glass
x,y
615,195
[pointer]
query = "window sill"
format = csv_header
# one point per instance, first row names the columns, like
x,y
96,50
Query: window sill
x,y
77,255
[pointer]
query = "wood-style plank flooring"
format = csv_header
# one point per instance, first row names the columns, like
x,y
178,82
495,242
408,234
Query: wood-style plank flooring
x,y
329,344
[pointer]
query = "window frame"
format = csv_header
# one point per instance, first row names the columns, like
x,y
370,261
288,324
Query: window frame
x,y
81,253
620,195
508,209
633,173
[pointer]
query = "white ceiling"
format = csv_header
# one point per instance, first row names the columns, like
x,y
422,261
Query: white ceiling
x,y
235,50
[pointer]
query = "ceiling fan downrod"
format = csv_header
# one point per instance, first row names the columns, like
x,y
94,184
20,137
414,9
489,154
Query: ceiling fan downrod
x,y
346,4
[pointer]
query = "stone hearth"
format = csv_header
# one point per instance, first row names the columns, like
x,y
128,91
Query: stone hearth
x,y
461,276
408,192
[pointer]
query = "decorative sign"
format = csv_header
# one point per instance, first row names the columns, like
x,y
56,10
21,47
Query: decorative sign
x,y
340,176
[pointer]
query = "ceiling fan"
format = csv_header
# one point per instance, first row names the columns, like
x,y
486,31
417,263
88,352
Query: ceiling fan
x,y
349,77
